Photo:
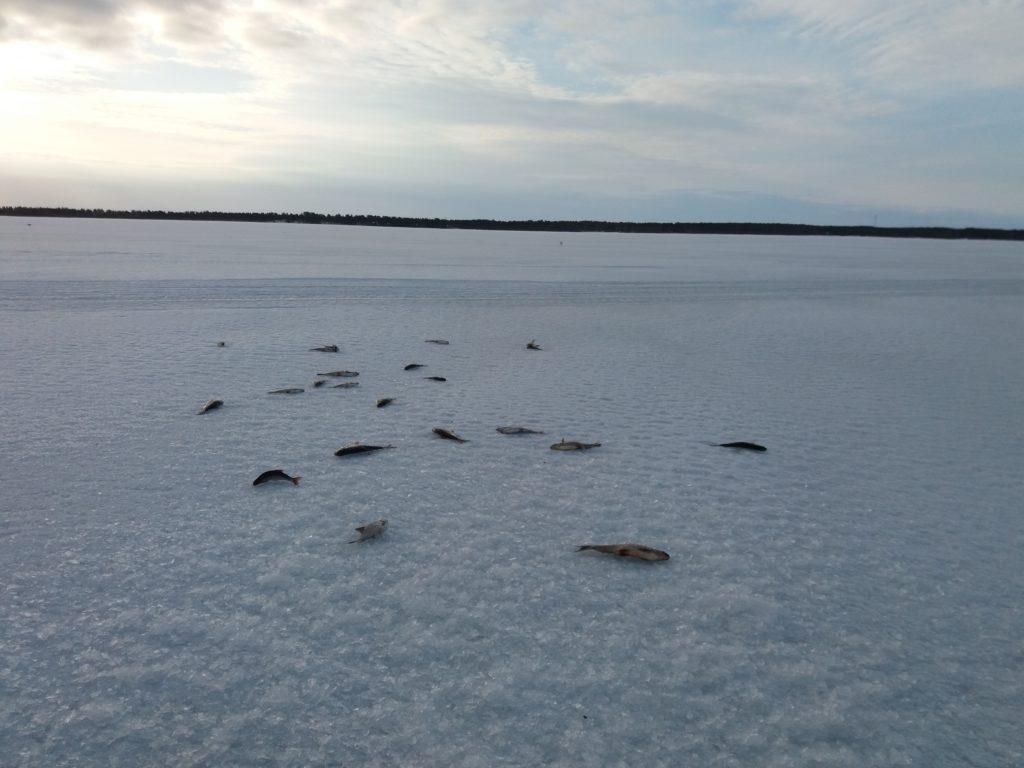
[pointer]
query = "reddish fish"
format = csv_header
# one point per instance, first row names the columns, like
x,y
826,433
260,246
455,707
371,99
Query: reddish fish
x,y
627,550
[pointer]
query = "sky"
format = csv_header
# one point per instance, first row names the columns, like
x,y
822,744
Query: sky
x,y
812,111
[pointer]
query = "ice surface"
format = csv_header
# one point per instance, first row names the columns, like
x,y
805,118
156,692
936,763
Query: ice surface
x,y
852,597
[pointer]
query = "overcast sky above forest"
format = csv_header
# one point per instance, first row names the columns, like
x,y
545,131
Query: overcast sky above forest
x,y
816,111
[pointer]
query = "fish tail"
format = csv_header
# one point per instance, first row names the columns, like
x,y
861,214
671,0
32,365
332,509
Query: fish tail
x,y
295,480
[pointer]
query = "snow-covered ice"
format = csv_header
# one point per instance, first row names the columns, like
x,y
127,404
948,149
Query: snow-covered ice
x,y
851,597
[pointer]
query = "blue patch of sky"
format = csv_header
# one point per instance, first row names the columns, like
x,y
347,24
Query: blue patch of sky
x,y
168,76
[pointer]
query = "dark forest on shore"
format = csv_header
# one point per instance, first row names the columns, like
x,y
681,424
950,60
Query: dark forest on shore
x,y
532,225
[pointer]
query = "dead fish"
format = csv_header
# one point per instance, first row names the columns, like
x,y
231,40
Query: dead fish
x,y
350,450
340,374
413,366
211,406
328,348
370,530
436,341
448,435
222,343
286,391
518,431
385,401
627,550
744,446
346,385
319,383
532,344
572,445
275,474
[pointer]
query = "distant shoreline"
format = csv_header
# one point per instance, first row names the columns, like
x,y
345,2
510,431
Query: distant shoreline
x,y
538,225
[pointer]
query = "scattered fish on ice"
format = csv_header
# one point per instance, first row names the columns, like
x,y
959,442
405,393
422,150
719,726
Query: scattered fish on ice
x,y
385,401
276,474
444,433
287,391
370,530
532,344
518,431
435,378
346,385
328,348
355,448
413,366
627,550
744,446
212,405
437,341
340,374
319,383
572,445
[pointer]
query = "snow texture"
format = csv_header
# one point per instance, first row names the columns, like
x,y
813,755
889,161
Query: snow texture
x,y
851,597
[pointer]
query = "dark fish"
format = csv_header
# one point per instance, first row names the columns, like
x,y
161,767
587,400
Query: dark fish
x,y
745,446
341,374
211,406
222,343
448,435
275,474
435,378
350,450
436,341
286,391
319,383
518,431
413,366
385,401
370,530
627,550
328,348
533,344
346,385
572,445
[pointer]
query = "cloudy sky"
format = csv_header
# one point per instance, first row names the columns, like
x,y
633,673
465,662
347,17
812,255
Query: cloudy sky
x,y
818,111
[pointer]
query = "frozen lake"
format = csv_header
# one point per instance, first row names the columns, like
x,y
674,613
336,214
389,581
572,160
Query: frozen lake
x,y
851,597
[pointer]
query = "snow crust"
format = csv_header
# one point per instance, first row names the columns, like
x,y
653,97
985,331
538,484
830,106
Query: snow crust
x,y
851,597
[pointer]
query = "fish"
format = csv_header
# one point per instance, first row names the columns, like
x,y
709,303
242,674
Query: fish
x,y
370,530
319,383
212,405
286,391
532,344
436,341
572,445
413,366
435,378
448,435
385,401
351,450
627,550
275,474
346,385
340,374
745,446
222,343
328,348
518,431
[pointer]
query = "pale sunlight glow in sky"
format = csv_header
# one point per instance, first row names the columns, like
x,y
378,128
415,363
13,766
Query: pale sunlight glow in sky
x,y
816,111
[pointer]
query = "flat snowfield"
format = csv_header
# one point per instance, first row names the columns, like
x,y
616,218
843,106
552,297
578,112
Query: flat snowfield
x,y
850,597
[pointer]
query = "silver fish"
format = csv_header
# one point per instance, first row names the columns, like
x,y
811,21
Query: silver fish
x,y
627,550
370,530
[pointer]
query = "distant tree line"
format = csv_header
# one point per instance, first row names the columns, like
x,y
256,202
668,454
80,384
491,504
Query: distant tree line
x,y
532,225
